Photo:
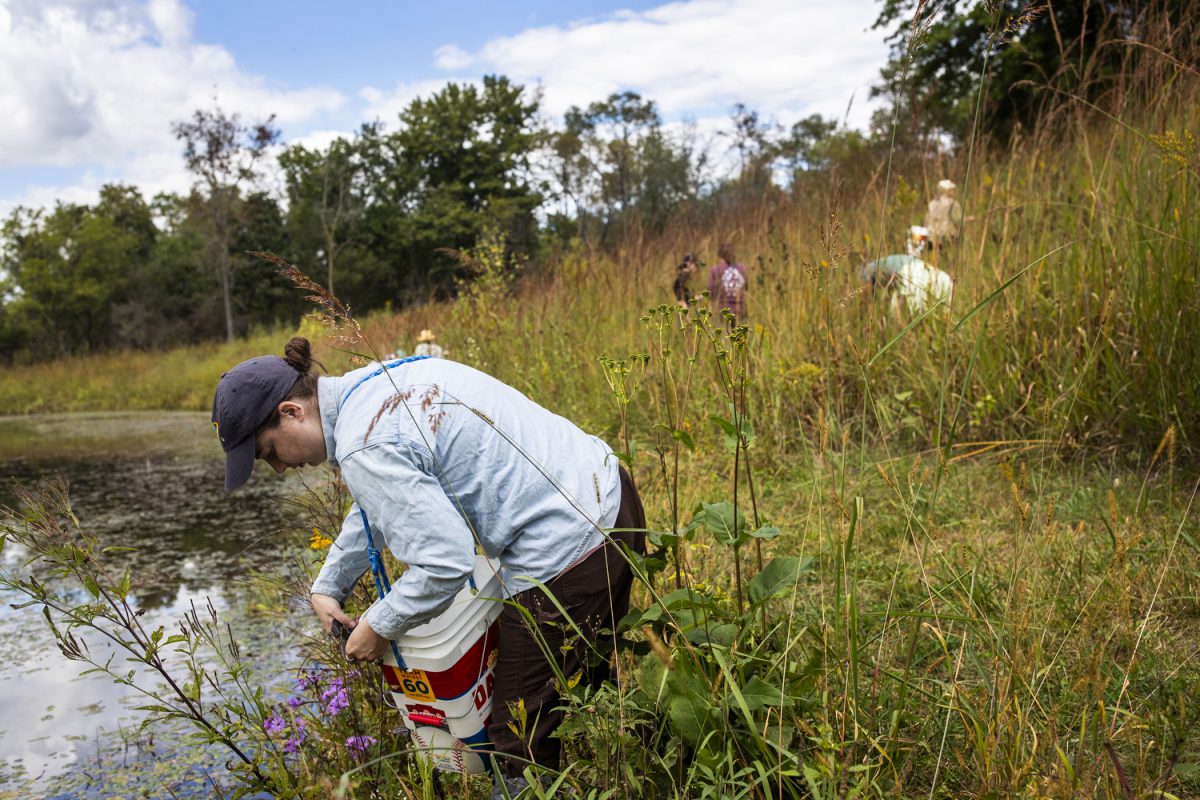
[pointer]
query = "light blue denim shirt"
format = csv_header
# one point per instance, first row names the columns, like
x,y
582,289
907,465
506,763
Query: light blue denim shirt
x,y
444,458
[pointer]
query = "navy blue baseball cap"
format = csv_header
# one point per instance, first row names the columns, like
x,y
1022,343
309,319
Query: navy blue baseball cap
x,y
246,397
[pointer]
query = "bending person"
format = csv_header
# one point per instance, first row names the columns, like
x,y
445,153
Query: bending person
x,y
445,459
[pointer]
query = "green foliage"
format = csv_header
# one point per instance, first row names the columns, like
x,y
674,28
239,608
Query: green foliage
x,y
461,165
825,613
224,154
70,269
1021,54
618,169
327,195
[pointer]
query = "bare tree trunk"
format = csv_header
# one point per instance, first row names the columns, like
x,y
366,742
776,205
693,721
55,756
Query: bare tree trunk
x,y
329,245
226,293
223,200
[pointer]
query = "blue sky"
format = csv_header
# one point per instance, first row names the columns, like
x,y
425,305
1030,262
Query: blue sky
x,y
302,43
90,87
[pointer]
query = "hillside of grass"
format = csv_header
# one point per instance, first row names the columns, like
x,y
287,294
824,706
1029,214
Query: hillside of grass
x,y
976,529
1073,318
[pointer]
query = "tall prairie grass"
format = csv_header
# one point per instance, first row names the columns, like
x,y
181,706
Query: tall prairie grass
x,y
1094,221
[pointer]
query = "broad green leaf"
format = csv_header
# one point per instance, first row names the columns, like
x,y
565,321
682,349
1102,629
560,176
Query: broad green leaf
x,y
777,577
631,620
662,538
647,565
719,520
730,430
759,694
624,458
651,680
725,425
766,532
722,635
689,708
679,435
652,614
687,598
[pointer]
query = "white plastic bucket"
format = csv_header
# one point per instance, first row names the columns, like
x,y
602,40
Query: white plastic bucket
x,y
447,678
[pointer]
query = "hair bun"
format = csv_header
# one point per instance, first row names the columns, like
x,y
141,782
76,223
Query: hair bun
x,y
298,354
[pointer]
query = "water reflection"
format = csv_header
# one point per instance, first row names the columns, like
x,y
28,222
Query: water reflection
x,y
185,529
192,541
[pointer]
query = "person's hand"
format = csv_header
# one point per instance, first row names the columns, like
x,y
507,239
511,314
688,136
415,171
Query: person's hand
x,y
365,644
329,610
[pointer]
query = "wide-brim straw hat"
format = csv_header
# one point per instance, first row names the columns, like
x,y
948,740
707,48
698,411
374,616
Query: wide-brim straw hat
x,y
425,335
946,185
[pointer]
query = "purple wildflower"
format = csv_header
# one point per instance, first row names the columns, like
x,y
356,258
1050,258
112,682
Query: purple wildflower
x,y
274,725
335,699
295,702
293,744
307,680
358,745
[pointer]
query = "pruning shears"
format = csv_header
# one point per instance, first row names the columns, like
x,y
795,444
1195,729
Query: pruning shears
x,y
340,632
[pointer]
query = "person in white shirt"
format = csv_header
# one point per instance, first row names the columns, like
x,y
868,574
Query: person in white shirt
x,y
443,460
944,217
426,346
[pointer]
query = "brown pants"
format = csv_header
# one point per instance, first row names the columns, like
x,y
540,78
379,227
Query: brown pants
x,y
595,593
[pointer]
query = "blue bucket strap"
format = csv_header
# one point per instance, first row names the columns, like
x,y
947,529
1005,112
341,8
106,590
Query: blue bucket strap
x,y
379,573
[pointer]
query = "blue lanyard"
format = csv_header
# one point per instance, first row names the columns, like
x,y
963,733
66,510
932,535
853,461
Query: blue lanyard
x,y
374,556
376,374
378,571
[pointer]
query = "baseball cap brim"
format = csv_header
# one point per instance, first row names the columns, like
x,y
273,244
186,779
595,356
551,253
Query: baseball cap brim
x,y
239,463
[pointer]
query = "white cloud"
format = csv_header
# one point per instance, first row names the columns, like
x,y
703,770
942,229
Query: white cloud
x,y
320,139
96,84
172,21
450,56
93,85
783,58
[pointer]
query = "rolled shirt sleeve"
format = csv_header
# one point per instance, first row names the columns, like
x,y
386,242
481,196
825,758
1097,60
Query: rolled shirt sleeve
x,y
346,561
409,510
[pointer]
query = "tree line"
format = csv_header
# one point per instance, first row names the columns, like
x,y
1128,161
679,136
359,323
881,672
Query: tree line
x,y
379,217
382,216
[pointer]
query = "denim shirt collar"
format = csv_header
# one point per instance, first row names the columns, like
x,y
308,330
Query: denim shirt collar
x,y
328,390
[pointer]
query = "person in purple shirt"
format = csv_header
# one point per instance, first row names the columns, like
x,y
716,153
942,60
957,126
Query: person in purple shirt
x,y
727,284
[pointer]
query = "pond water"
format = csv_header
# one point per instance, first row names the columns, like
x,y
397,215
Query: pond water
x,y
153,482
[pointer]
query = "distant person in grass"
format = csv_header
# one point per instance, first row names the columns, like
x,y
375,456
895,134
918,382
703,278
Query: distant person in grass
x,y
727,284
944,217
683,276
445,460
909,283
427,345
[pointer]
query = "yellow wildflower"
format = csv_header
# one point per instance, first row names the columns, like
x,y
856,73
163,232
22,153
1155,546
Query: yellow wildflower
x,y
319,541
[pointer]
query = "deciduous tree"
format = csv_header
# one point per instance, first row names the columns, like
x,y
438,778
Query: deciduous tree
x,y
224,155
